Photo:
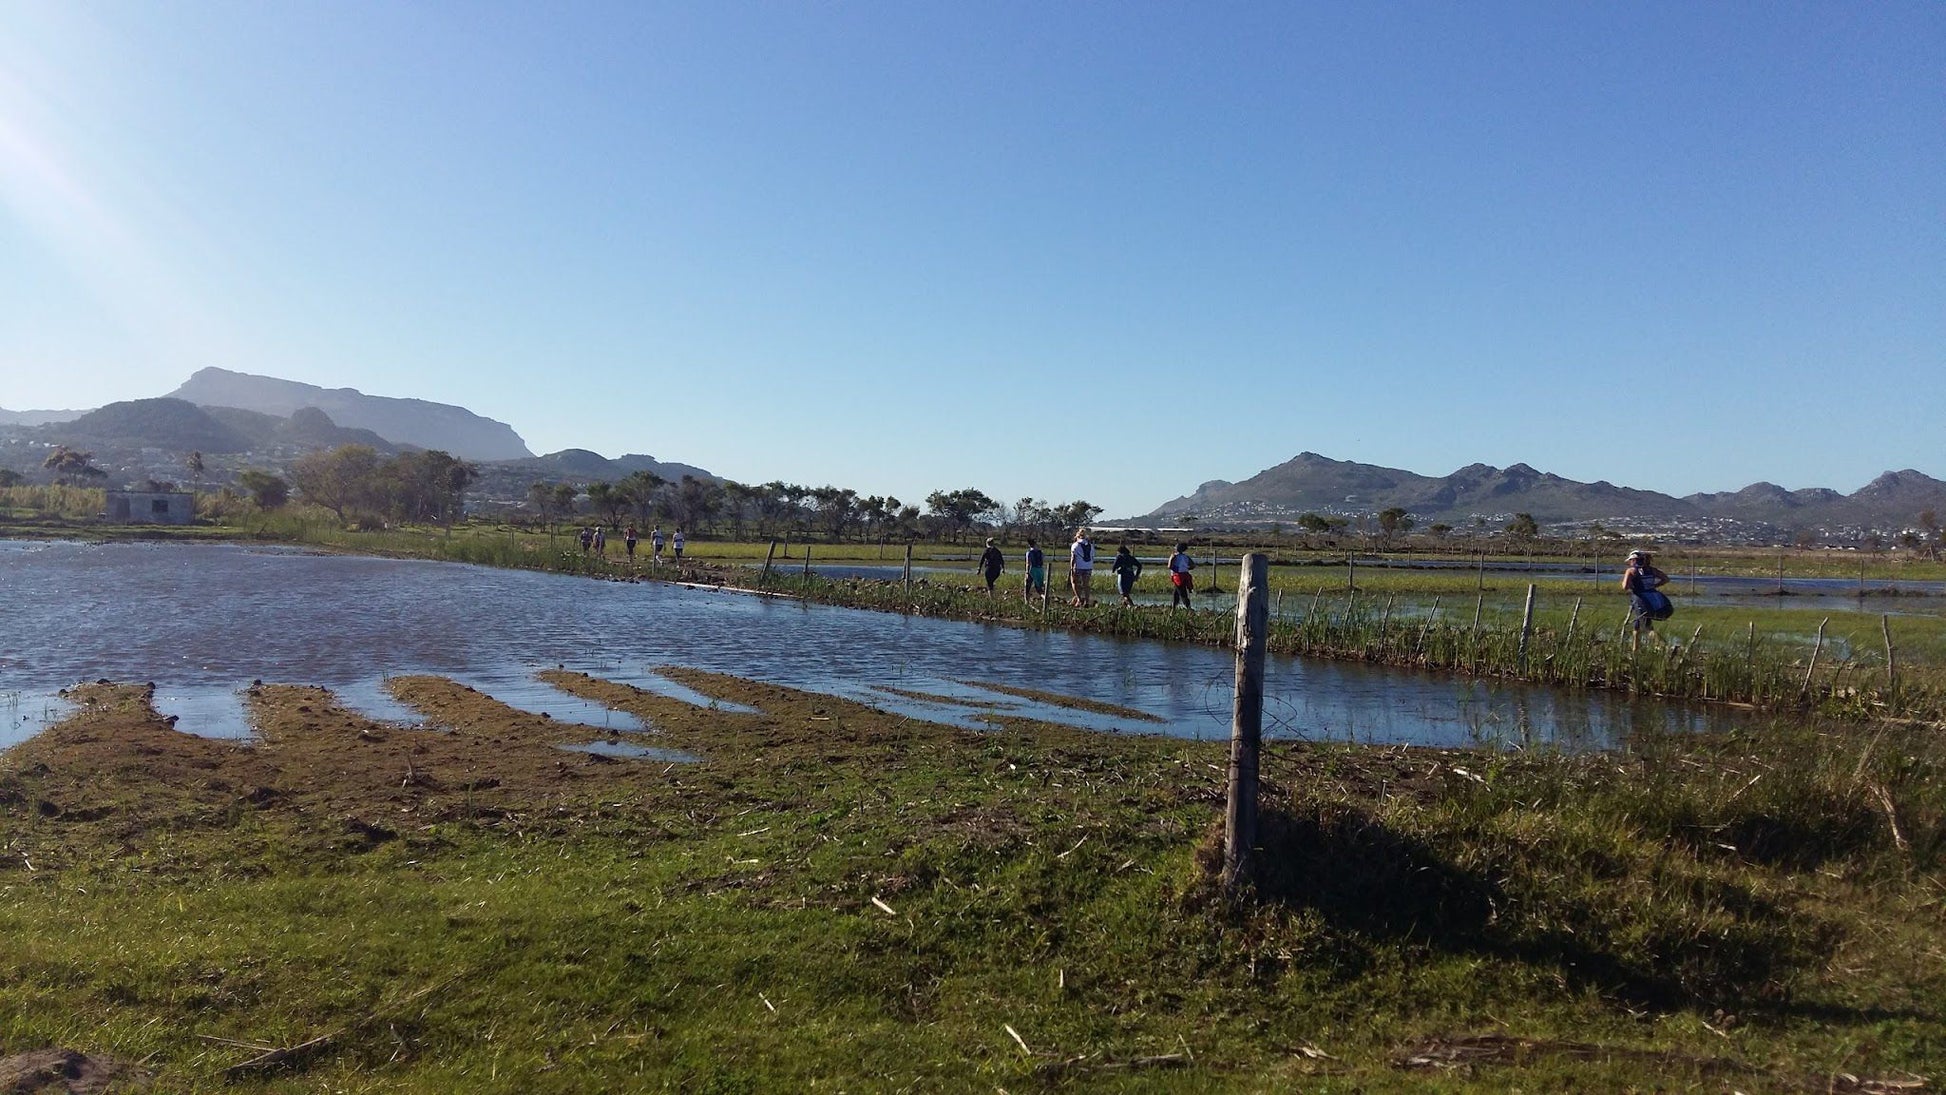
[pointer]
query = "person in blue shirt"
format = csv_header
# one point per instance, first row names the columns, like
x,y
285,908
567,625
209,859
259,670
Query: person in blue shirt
x,y
1036,571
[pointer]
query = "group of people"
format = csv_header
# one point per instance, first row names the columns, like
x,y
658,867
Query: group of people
x,y
594,540
1081,571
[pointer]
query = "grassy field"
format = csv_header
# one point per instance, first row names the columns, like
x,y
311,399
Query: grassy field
x,y
835,898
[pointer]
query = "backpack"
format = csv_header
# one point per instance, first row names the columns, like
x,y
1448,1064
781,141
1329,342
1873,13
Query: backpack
x,y
1658,604
1088,551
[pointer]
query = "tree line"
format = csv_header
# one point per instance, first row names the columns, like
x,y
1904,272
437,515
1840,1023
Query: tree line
x,y
794,511
357,484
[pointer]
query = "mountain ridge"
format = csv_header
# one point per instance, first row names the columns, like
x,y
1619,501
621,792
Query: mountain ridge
x,y
416,422
1312,483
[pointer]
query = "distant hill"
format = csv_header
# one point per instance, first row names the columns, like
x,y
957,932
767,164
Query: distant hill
x,y
1310,483
36,418
415,422
172,424
582,464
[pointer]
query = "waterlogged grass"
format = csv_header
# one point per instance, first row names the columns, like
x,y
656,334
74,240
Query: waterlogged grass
x,y
1449,620
838,899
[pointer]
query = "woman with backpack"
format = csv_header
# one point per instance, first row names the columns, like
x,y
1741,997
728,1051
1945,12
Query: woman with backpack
x,y
1081,568
1645,604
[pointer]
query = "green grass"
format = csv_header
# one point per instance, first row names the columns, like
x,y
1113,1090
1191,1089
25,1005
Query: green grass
x,y
1700,911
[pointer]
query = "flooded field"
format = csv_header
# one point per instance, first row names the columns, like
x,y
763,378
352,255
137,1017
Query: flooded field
x,y
204,620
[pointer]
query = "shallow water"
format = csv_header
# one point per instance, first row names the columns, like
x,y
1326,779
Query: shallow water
x,y
204,620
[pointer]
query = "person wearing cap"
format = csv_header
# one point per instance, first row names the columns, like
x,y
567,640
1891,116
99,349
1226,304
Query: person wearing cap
x,y
991,564
1638,578
1081,568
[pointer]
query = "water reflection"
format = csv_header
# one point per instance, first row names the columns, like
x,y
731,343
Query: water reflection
x,y
203,620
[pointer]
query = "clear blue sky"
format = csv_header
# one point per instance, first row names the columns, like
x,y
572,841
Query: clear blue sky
x,y
1084,250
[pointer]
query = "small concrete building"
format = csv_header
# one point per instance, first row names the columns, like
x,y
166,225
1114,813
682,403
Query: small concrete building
x,y
144,507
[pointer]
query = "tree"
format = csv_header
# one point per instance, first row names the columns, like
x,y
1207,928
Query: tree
x,y
341,480
1075,514
958,510
1523,527
837,509
1394,522
697,501
195,466
10,478
268,491
421,486
540,499
608,498
637,491
69,465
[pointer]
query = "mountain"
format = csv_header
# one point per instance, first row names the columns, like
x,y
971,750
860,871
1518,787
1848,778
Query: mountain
x,y
414,422
1310,483
36,418
582,464
149,423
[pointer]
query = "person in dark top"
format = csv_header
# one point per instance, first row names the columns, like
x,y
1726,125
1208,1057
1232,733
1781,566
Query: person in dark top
x,y
1036,571
1640,577
991,564
1127,568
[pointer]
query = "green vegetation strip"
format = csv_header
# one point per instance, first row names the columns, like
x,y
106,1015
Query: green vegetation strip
x,y
840,898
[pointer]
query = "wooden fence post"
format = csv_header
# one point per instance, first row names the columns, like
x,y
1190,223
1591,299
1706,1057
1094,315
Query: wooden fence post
x,y
1891,661
908,571
1816,649
807,558
768,556
1526,628
1246,719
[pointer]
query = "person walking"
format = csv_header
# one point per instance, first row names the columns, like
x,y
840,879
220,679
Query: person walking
x,y
1640,580
587,538
1127,568
675,544
655,544
1036,572
991,564
601,540
1180,583
1081,568
628,543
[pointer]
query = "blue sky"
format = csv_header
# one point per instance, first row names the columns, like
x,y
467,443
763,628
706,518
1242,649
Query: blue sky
x,y
1088,250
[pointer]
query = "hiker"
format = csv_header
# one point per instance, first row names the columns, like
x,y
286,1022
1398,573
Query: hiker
x,y
587,539
991,564
601,540
1036,572
1639,580
1180,564
628,543
1081,568
1127,568
675,544
655,544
